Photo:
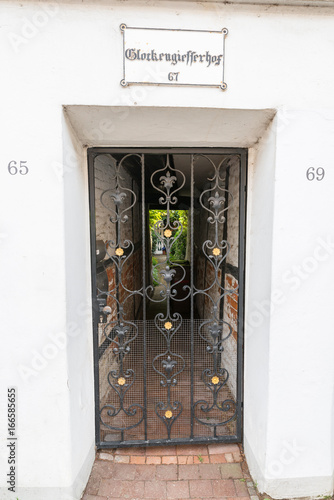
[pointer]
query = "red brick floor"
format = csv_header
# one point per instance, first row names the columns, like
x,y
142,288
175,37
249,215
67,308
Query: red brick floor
x,y
214,471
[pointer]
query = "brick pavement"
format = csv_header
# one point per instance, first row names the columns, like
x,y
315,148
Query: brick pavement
x,y
197,472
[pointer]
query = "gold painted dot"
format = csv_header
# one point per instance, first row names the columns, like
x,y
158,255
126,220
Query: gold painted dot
x,y
168,325
168,233
215,380
216,251
168,414
119,252
121,381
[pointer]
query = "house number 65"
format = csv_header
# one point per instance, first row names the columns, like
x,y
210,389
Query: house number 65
x,y
14,168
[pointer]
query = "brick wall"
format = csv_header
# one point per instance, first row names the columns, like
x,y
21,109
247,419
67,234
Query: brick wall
x,y
230,313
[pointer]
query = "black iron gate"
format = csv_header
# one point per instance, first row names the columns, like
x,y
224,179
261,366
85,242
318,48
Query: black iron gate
x,y
168,231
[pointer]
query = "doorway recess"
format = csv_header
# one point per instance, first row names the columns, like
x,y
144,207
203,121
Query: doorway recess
x,y
168,239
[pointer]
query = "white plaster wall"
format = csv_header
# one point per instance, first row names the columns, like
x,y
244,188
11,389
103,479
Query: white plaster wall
x,y
78,313
288,319
70,54
301,369
261,175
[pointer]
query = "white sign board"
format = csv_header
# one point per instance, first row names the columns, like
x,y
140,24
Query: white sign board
x,y
154,56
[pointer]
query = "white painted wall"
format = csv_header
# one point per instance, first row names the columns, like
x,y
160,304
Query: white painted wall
x,y
78,311
70,54
259,249
301,369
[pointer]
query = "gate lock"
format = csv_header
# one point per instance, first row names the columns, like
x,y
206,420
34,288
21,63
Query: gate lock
x,y
104,310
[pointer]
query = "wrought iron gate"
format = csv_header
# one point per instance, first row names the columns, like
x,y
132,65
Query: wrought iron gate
x,y
167,231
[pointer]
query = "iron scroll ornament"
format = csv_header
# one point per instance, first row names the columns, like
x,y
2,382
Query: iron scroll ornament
x,y
216,200
168,364
119,200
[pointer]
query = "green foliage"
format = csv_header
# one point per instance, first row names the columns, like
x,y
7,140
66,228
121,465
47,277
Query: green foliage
x,y
154,261
155,240
158,218
155,271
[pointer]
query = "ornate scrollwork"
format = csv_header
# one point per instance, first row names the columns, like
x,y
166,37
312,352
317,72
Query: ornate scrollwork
x,y
166,184
120,333
113,199
121,381
168,365
168,180
215,201
168,414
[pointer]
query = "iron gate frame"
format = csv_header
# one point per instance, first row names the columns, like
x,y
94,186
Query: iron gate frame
x,y
242,153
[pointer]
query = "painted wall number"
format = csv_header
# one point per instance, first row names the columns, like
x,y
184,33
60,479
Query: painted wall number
x,y
315,173
14,167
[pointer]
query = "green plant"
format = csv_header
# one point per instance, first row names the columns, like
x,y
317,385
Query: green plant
x,y
155,271
178,222
243,480
200,458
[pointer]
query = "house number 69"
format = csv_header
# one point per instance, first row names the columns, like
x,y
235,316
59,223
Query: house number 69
x,y
14,168
315,173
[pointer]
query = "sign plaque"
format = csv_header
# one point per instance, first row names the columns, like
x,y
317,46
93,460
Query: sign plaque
x,y
160,56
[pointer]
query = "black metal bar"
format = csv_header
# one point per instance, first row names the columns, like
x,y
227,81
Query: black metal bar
x,y
224,265
192,297
166,150
91,188
241,302
133,260
174,441
205,271
144,288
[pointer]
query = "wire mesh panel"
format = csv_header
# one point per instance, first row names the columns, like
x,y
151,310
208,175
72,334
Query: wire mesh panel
x,y
167,260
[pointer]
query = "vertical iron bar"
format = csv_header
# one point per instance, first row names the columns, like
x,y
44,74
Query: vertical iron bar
x,y
117,266
95,308
241,258
227,179
192,295
205,265
144,286
225,235
133,257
